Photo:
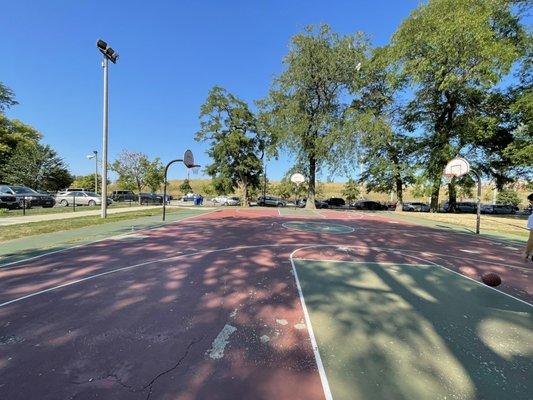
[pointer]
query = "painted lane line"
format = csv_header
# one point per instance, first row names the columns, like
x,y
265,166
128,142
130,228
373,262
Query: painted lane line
x,y
122,235
216,352
314,345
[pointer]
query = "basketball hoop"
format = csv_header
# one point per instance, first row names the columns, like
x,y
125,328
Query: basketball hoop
x,y
195,169
297,178
457,167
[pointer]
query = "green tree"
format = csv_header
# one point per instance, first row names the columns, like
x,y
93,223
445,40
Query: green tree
x,y
132,170
185,187
351,190
508,196
87,182
38,167
235,146
13,133
453,52
155,174
7,98
387,152
306,105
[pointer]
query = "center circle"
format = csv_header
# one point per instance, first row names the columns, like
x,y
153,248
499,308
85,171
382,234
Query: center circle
x,y
319,227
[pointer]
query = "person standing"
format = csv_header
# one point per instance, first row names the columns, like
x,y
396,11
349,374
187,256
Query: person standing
x,y
529,245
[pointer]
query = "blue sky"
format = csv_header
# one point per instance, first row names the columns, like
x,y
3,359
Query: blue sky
x,y
171,54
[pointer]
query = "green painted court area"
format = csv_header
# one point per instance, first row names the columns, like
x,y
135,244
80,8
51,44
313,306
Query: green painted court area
x,y
318,227
416,332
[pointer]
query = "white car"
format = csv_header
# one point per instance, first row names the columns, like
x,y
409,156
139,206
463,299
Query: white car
x,y
227,200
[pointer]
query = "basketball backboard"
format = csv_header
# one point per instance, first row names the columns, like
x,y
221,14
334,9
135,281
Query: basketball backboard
x,y
457,167
188,159
297,178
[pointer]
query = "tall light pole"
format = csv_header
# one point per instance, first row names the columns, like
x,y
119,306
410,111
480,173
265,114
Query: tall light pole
x,y
90,157
109,55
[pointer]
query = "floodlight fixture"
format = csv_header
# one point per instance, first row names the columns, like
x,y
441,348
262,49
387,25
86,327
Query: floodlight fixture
x,y
107,51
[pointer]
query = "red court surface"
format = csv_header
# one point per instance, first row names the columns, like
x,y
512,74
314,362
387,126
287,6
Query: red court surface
x,y
206,308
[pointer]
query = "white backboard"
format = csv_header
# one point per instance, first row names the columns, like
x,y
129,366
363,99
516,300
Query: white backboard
x,y
297,178
457,167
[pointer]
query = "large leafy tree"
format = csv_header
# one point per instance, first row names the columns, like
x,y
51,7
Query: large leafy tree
x,y
453,52
235,145
387,151
306,106
38,167
155,174
135,170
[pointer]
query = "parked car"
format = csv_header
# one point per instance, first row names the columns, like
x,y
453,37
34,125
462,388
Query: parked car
x,y
318,203
335,202
417,207
368,205
463,207
189,197
150,198
391,206
8,200
74,190
271,201
124,195
30,197
227,200
497,209
80,199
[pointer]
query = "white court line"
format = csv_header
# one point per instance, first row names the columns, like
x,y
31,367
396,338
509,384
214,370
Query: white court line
x,y
362,262
314,345
3,266
463,258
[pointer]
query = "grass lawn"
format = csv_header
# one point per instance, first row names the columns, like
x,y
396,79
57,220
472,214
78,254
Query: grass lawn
x,y
55,210
505,225
35,228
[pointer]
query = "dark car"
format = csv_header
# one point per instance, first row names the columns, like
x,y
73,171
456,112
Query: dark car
x,y
124,195
335,202
150,198
368,205
498,209
26,197
463,207
8,201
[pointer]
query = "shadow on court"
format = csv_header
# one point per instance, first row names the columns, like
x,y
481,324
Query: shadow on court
x,y
406,332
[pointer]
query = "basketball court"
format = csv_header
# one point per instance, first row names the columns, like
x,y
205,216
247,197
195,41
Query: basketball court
x,y
270,304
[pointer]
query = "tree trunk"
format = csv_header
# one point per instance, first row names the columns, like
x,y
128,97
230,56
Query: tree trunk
x,y
452,195
435,189
399,195
245,202
139,190
310,204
